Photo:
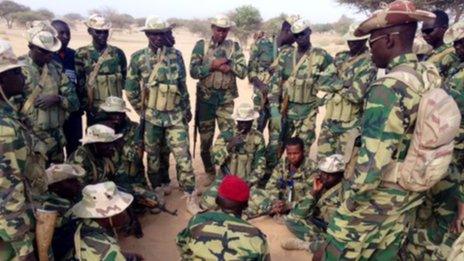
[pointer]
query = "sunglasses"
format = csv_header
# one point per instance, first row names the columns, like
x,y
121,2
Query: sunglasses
x,y
375,39
428,30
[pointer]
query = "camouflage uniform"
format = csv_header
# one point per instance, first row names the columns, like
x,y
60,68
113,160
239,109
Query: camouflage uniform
x,y
344,108
48,123
444,58
247,160
163,74
221,236
216,91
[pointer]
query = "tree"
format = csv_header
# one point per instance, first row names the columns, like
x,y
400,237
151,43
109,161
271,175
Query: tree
x,y
273,25
200,27
343,24
28,16
247,19
73,17
117,19
8,10
140,21
45,14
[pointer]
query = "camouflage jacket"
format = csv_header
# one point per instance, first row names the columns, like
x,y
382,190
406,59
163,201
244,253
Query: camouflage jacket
x,y
455,82
445,58
214,86
93,242
97,170
170,70
221,236
110,78
247,159
262,54
35,79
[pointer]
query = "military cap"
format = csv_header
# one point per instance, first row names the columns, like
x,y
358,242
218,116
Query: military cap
x,y
156,24
291,19
455,32
349,36
8,59
299,26
98,22
102,200
100,133
234,188
245,112
222,21
59,172
43,35
113,104
395,13
332,164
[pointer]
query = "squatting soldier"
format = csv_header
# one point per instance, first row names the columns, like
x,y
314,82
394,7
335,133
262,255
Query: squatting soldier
x,y
240,152
309,219
156,86
101,68
344,108
50,96
373,220
223,235
216,63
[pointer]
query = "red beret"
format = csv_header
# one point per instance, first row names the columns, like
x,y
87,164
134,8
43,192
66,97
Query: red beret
x,y
234,188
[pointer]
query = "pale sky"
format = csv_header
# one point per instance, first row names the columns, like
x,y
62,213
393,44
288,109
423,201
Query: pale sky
x,y
316,11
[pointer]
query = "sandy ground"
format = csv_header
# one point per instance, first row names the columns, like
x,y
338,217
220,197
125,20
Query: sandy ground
x,y
160,230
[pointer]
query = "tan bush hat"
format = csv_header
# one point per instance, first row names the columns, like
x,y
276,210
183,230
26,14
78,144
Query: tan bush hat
x,y
8,59
59,172
43,35
114,104
395,13
222,21
299,26
332,164
100,133
245,112
455,32
102,200
156,24
291,19
98,22
349,36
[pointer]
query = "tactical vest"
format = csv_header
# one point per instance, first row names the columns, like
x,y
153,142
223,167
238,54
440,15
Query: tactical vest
x,y
329,205
437,57
299,86
218,80
241,161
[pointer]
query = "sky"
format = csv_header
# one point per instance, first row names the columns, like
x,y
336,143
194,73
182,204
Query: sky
x,y
316,11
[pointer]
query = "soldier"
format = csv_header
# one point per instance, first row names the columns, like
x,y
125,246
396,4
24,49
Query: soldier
x,y
308,220
457,251
343,108
240,151
156,88
216,63
15,145
223,235
65,56
50,97
101,68
443,55
373,220
100,212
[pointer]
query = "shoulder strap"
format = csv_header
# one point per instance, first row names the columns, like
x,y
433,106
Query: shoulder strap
x,y
37,90
352,61
93,75
77,241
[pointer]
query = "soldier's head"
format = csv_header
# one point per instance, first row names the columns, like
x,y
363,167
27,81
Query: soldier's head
x,y
101,140
331,170
11,77
220,26
156,40
455,36
302,33
433,31
99,29
245,115
63,179
392,30
114,109
294,148
285,36
64,32
43,41
158,32
233,195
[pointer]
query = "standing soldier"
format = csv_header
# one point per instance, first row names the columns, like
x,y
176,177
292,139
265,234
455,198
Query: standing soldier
x,y
156,87
216,63
50,97
344,108
100,67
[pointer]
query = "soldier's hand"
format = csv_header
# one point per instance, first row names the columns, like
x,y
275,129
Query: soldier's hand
x,y
216,63
278,207
46,101
237,139
318,185
225,68
456,226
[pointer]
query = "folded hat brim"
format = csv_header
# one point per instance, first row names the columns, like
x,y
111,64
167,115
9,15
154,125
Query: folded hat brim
x,y
237,118
11,66
90,140
117,205
107,27
111,109
225,26
54,48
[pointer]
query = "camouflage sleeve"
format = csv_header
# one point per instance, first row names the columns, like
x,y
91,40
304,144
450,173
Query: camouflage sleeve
x,y
259,161
185,99
281,73
70,101
97,247
183,238
326,74
199,69
123,64
356,90
219,153
304,208
238,62
79,157
132,86
81,76
272,186
253,62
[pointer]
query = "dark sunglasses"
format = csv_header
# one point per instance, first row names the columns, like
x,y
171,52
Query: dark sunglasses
x,y
428,30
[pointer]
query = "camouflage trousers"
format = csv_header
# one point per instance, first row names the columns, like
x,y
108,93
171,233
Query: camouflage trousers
x,y
16,240
177,140
303,229
159,175
376,229
54,141
262,107
208,114
335,136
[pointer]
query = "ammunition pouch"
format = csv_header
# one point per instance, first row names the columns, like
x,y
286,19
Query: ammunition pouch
x,y
164,97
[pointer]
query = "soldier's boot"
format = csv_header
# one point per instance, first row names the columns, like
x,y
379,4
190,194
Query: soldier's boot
x,y
294,244
193,203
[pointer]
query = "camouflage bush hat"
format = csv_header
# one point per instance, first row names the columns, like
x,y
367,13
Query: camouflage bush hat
x,y
102,200
395,13
291,19
156,24
299,26
8,59
245,112
349,36
100,133
98,22
455,32
43,35
222,21
332,164
59,172
114,104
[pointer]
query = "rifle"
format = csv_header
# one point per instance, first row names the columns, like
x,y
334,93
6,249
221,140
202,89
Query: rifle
x,y
284,126
195,125
320,223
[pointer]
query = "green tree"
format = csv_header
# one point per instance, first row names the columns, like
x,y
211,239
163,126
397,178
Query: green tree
x,y
273,25
200,27
8,9
247,20
22,18
45,14
118,20
73,17
343,24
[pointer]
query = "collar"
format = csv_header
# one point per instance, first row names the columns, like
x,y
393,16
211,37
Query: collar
x,y
402,59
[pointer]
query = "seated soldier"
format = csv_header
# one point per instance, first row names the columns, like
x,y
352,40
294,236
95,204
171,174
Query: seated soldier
x,y
289,183
223,235
240,151
457,250
308,220
99,213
